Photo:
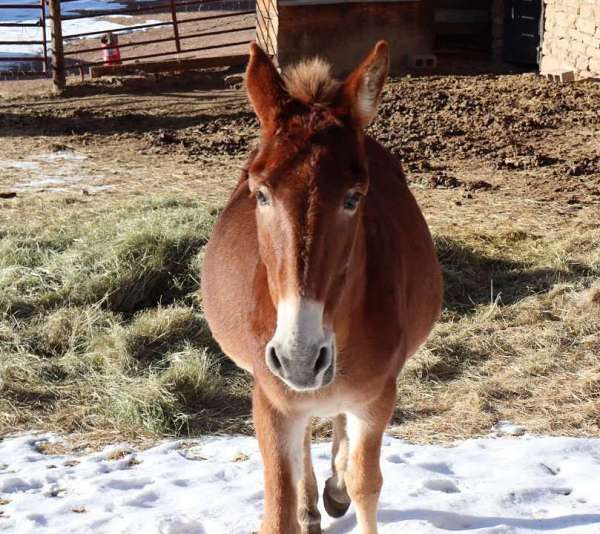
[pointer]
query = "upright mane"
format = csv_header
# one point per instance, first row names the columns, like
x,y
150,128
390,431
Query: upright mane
x,y
310,81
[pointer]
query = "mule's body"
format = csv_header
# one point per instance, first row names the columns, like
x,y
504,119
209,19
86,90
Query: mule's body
x,y
396,296
386,288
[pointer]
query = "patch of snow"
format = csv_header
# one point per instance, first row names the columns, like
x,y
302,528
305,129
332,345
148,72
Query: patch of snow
x,y
506,428
495,485
17,164
58,171
69,155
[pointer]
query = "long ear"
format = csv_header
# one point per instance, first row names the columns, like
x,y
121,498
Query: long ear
x,y
265,87
362,89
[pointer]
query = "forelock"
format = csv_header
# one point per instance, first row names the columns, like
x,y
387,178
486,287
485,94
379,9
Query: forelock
x,y
310,81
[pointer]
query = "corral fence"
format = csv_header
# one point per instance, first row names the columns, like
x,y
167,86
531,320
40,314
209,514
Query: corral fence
x,y
69,40
23,61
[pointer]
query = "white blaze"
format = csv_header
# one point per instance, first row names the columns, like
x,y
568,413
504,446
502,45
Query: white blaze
x,y
299,324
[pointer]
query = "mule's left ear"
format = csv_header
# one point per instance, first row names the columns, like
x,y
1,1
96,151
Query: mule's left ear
x,y
265,87
361,91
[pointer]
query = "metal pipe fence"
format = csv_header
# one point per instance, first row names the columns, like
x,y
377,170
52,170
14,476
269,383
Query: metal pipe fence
x,y
17,60
189,33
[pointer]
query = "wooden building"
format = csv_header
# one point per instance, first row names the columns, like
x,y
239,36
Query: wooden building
x,y
419,31
341,31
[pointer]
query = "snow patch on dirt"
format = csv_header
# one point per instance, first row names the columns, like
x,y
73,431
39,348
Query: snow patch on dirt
x,y
58,171
496,485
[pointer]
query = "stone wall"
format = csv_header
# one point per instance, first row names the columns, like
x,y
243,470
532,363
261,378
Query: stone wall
x,y
572,37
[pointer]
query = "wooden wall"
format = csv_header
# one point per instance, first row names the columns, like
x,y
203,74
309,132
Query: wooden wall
x,y
463,25
344,33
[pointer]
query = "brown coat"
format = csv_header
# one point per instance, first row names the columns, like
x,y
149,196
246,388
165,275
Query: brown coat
x,y
322,219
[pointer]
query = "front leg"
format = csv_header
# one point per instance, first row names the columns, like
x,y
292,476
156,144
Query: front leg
x,y
365,427
280,437
335,496
308,492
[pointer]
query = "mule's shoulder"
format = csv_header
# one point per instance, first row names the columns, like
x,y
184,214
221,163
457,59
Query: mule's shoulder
x,y
235,229
384,167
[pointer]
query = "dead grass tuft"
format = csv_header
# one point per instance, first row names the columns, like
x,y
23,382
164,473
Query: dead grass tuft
x,y
124,260
101,328
154,333
592,296
533,362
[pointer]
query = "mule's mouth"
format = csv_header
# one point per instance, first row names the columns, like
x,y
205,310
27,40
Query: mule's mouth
x,y
302,351
303,369
326,380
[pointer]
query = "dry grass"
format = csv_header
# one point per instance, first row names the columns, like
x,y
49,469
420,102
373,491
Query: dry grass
x,y
100,324
519,338
101,330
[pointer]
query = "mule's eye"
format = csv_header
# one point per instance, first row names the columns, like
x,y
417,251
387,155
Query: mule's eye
x,y
351,201
262,198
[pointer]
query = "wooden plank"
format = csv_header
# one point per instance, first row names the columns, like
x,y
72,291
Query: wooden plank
x,y
470,28
173,65
459,16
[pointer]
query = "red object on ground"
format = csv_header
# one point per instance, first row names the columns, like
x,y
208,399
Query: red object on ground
x,y
110,49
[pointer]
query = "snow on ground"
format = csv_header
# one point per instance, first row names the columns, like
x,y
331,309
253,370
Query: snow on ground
x,y
67,8
496,485
58,171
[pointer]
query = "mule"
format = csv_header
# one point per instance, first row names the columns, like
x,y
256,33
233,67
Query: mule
x,y
320,279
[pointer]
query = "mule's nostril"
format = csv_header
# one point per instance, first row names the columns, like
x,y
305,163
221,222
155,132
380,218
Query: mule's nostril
x,y
275,362
322,360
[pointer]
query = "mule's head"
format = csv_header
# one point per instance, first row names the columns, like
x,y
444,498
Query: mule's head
x,y
309,178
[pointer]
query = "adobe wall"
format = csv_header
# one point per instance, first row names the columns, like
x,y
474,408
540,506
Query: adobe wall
x,y
572,37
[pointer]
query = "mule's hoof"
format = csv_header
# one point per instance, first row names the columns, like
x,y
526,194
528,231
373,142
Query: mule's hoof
x,y
332,507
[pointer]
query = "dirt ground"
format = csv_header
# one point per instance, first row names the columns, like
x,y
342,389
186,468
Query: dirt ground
x,y
489,146
509,164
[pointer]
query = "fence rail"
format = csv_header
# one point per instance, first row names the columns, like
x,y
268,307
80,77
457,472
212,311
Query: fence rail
x,y
20,24
40,23
188,33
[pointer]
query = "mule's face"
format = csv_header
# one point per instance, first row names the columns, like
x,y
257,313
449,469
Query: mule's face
x,y
309,189
309,179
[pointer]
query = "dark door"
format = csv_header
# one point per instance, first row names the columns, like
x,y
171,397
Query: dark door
x,y
522,31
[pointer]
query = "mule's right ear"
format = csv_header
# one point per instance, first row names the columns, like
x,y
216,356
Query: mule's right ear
x,y
265,87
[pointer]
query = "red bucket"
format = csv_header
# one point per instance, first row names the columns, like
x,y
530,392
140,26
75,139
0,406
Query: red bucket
x,y
111,55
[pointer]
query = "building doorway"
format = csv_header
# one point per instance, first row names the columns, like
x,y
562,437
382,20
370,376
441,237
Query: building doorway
x,y
522,31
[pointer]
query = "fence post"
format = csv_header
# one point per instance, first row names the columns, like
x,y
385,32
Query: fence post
x,y
175,25
44,36
58,58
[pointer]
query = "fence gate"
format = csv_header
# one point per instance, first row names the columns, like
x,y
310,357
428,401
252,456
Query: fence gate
x,y
154,30
158,31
